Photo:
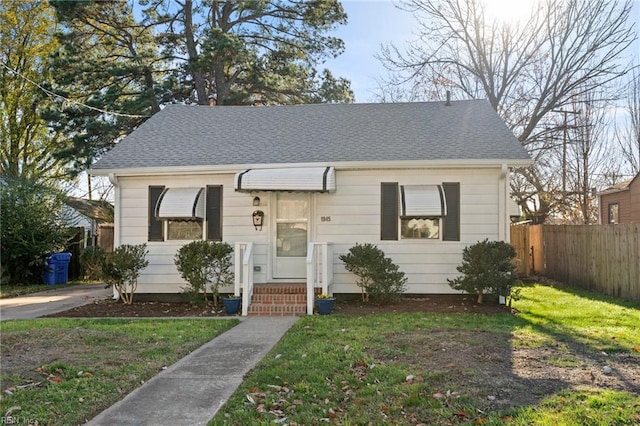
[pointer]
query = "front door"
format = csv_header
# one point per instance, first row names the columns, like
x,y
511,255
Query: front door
x,y
291,234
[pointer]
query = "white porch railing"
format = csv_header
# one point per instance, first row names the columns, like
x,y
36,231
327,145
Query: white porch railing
x,y
319,271
243,274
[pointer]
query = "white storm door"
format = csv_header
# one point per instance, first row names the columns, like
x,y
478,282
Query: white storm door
x,y
291,235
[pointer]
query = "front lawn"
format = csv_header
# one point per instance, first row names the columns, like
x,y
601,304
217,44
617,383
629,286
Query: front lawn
x,y
545,365
66,371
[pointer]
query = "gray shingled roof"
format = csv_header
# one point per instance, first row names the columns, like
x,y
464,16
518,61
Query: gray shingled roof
x,y
181,135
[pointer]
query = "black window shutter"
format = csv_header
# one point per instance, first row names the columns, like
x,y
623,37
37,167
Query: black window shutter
x,y
214,213
451,221
156,228
389,211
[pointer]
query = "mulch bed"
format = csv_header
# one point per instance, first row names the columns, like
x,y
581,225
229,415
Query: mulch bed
x,y
109,308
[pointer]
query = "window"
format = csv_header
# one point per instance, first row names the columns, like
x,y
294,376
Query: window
x,y
415,227
185,229
185,213
614,213
423,211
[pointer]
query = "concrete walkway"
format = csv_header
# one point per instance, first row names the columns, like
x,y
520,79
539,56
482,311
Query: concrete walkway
x,y
192,391
52,301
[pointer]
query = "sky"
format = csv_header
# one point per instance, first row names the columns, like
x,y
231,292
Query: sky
x,y
370,24
375,22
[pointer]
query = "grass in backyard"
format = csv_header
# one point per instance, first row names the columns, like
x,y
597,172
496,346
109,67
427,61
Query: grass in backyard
x,y
409,369
65,371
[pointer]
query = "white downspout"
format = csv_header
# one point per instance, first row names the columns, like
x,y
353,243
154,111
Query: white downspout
x,y
503,194
116,217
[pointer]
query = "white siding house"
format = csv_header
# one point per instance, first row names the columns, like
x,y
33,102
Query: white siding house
x,y
419,180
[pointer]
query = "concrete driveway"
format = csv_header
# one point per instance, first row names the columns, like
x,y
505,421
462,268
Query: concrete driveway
x,y
52,301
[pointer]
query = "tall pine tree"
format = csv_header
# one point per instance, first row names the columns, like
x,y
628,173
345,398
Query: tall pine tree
x,y
125,61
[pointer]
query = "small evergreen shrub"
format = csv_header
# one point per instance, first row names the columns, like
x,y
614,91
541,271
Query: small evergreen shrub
x,y
379,278
92,260
122,268
487,268
205,265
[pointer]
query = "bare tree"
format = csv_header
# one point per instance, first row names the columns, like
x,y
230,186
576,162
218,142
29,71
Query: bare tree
x,y
629,136
528,71
587,158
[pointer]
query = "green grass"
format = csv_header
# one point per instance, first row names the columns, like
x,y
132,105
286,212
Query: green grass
x,y
65,371
598,322
354,370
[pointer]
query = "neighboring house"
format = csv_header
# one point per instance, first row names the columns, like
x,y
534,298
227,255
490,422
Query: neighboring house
x,y
419,180
620,203
88,214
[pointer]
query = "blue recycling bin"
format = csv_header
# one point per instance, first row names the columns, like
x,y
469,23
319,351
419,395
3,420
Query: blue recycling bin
x,y
56,269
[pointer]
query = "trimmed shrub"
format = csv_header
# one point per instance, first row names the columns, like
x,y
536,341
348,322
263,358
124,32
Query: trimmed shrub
x,y
205,265
122,267
487,268
379,278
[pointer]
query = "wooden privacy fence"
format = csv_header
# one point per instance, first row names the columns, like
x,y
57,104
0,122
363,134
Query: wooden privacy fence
x,y
603,258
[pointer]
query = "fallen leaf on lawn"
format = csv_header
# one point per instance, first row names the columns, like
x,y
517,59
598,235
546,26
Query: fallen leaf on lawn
x,y
55,379
250,399
332,414
439,395
636,348
10,411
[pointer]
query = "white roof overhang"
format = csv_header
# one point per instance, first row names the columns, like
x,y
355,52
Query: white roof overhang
x,y
422,201
340,165
181,203
310,179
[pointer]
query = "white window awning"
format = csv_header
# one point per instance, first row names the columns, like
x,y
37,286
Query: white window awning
x,y
181,203
422,201
312,179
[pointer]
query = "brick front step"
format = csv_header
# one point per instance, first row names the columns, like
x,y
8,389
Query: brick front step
x,y
279,299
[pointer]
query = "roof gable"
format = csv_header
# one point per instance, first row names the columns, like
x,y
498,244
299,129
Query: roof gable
x,y
182,135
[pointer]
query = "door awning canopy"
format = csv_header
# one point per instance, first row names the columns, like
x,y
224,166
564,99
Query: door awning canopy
x,y
422,201
181,203
310,179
